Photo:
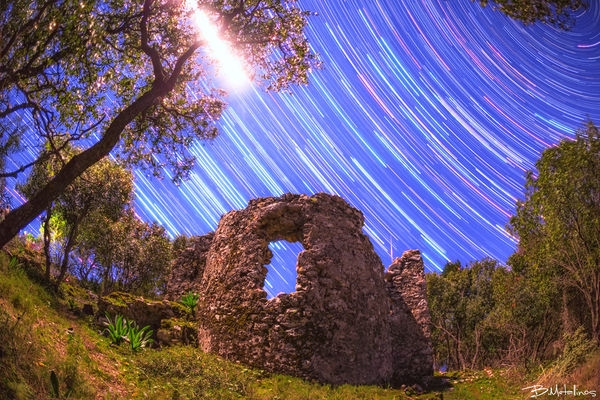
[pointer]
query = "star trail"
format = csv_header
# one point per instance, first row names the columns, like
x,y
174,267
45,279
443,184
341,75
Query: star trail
x,y
425,117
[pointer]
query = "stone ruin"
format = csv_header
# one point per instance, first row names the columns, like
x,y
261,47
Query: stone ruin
x,y
347,322
188,268
409,318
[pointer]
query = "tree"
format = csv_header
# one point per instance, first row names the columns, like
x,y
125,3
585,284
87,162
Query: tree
x,y
554,12
526,318
104,190
130,255
486,314
558,223
460,301
132,76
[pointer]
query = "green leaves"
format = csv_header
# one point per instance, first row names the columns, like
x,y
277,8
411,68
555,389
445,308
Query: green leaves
x,y
578,347
190,300
54,382
138,338
78,64
117,328
558,223
554,12
121,330
14,263
133,77
55,387
103,191
461,300
487,314
137,253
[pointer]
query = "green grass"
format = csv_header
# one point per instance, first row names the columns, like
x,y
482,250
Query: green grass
x,y
39,333
489,384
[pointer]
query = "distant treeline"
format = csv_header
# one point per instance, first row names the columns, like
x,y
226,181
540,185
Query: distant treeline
x,y
488,314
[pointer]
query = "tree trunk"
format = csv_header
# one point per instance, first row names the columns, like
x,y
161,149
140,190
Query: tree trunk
x,y
70,243
540,347
18,218
460,359
448,350
595,308
596,325
46,224
105,277
477,337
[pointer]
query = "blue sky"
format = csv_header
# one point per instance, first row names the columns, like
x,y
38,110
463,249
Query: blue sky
x,y
425,117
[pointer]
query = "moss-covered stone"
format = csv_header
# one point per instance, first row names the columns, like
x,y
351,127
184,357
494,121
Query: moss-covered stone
x,y
177,331
171,322
119,299
188,267
178,308
76,292
144,312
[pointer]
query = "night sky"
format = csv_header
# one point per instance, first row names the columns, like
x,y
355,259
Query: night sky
x,y
425,117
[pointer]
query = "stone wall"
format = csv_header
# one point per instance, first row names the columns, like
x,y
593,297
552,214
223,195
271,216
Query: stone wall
x,y
333,328
143,312
410,321
187,269
345,323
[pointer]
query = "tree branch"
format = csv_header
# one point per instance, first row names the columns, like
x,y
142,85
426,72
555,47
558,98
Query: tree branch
x,y
17,108
25,27
150,51
181,62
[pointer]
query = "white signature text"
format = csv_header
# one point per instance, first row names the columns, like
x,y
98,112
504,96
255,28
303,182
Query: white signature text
x,y
539,390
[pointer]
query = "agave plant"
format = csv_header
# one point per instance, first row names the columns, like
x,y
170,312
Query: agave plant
x,y
72,304
13,262
15,265
138,338
54,390
190,300
117,328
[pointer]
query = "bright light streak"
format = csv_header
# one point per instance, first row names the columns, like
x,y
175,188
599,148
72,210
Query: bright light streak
x,y
228,64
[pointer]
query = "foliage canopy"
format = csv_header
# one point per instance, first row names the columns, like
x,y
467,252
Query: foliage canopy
x,y
103,191
126,255
485,314
558,223
553,12
131,76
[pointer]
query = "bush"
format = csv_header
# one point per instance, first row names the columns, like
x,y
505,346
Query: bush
x,y
120,329
577,349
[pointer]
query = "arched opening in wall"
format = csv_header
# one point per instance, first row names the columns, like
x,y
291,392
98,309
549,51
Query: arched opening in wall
x,y
281,275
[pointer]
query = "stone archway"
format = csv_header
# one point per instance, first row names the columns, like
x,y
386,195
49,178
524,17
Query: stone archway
x,y
334,328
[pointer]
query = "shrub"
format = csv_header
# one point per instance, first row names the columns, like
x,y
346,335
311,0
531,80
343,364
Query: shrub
x,y
577,348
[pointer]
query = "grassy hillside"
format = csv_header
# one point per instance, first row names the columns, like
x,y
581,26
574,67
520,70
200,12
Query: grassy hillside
x,y
41,332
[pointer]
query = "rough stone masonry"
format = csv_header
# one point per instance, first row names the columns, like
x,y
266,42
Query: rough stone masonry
x,y
345,323
188,268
